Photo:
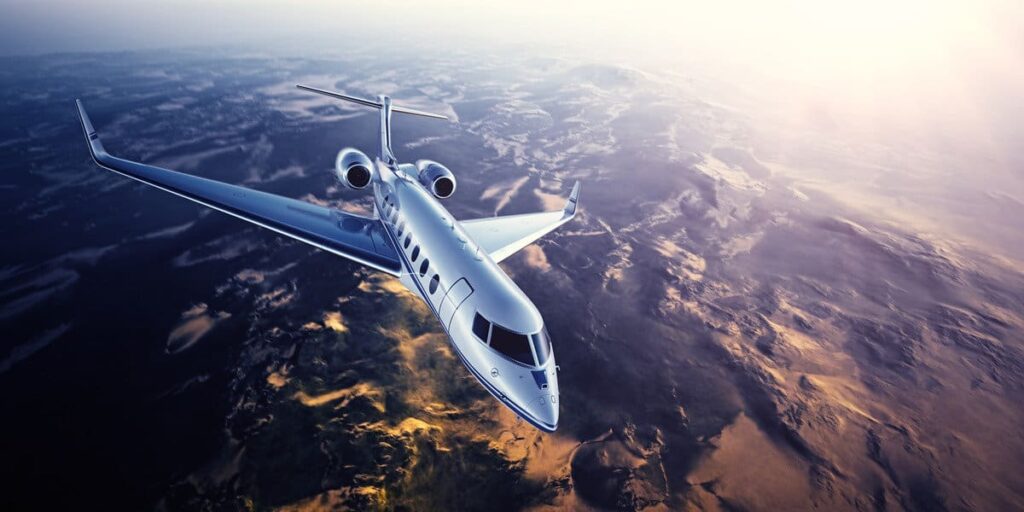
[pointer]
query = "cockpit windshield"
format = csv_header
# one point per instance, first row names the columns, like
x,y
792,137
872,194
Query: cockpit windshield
x,y
513,345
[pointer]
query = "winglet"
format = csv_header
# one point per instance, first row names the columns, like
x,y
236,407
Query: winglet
x,y
91,137
574,197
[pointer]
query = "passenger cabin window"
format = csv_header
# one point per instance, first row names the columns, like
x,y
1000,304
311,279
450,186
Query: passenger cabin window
x,y
415,252
513,345
408,239
434,281
424,267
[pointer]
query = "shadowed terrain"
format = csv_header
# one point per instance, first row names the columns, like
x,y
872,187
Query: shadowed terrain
x,y
731,335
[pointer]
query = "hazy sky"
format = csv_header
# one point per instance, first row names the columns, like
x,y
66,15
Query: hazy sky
x,y
918,64
927,93
824,42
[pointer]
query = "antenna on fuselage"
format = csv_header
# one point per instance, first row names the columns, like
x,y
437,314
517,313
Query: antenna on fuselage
x,y
386,108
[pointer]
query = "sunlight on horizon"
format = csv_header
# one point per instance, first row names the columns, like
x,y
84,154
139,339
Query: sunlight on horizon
x,y
955,67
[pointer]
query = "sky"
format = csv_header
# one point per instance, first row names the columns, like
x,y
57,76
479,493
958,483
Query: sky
x,y
923,98
954,69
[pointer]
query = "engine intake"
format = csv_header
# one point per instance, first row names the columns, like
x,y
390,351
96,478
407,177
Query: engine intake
x,y
436,178
354,169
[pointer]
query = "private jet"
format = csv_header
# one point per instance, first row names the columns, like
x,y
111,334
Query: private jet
x,y
452,265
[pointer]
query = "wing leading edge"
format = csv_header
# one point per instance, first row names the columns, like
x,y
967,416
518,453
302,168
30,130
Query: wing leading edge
x,y
352,236
501,237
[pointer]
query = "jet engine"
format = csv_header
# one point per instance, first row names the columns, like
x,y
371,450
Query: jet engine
x,y
354,169
436,178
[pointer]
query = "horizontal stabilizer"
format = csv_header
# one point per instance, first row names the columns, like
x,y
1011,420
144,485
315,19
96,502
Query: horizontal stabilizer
x,y
369,103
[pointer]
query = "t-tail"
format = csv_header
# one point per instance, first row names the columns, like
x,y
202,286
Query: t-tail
x,y
386,108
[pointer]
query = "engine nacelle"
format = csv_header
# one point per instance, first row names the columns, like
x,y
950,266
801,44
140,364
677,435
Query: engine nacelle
x,y
436,178
354,169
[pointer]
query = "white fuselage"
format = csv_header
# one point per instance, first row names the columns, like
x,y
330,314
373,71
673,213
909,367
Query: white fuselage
x,y
459,281
492,325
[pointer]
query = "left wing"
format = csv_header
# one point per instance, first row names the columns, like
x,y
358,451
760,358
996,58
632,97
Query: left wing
x,y
501,237
352,236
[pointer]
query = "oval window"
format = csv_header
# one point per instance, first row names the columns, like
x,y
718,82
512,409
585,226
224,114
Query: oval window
x,y
424,267
408,239
434,281
415,252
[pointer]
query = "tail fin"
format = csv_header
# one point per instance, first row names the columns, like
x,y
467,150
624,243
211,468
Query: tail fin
x,y
383,103
369,103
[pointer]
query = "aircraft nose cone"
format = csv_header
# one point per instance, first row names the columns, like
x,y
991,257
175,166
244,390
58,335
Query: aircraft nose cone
x,y
545,411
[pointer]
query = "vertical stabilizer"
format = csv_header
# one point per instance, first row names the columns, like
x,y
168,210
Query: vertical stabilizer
x,y
386,108
384,153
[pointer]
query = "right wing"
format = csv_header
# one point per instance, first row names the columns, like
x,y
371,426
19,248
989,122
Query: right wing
x,y
501,237
355,237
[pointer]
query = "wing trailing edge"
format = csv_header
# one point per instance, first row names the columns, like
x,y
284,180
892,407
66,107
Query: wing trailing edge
x,y
344,234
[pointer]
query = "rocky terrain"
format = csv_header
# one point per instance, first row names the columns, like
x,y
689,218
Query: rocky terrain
x,y
731,335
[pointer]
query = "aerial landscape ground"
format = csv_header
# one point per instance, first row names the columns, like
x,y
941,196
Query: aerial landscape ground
x,y
737,327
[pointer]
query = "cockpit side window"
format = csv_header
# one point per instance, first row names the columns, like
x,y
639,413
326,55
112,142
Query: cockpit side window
x,y
481,327
542,346
513,345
